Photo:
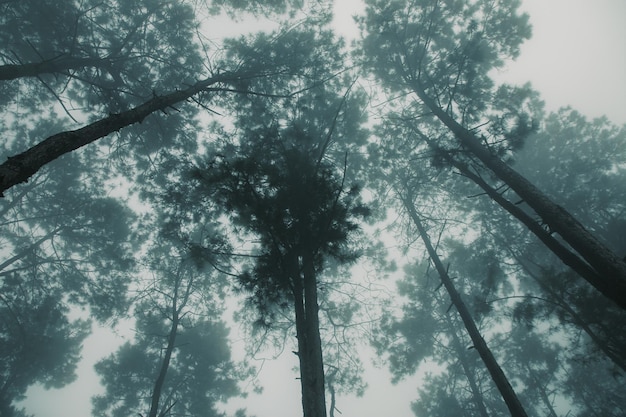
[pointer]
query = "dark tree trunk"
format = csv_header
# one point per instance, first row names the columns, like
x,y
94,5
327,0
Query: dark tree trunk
x,y
501,381
567,257
21,167
34,69
311,307
610,268
298,295
165,364
309,341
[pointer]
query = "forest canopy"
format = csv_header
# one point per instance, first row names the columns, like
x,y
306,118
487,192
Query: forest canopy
x,y
210,200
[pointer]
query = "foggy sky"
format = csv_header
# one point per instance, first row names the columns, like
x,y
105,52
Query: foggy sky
x,y
577,57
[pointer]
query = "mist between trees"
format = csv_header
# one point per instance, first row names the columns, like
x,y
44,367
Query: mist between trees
x,y
154,172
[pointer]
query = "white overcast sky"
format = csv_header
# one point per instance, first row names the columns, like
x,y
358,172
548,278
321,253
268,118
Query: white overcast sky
x,y
577,57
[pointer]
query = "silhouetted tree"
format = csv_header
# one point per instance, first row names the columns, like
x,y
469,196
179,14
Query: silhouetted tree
x,y
64,251
119,64
508,394
302,213
287,183
178,361
442,54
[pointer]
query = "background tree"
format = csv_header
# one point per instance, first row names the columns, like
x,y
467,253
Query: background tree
x,y
495,371
38,343
442,53
532,320
486,237
582,153
150,76
178,360
67,254
281,181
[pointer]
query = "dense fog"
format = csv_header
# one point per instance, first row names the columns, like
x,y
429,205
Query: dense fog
x,y
273,208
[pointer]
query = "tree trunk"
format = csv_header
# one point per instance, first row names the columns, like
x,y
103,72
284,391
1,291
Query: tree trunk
x,y
616,358
309,341
568,257
298,295
165,364
477,397
509,396
313,336
21,167
177,308
611,269
34,69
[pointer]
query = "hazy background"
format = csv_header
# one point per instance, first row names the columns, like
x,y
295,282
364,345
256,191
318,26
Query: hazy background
x,y
576,57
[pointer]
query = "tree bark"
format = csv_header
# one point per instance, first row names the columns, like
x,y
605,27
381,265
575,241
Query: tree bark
x,y
309,341
34,69
508,394
611,269
21,167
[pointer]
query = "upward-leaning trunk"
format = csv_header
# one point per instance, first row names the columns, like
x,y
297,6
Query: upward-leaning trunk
x,y
568,257
477,397
165,364
309,340
19,168
178,304
611,269
613,354
167,357
501,381
61,64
